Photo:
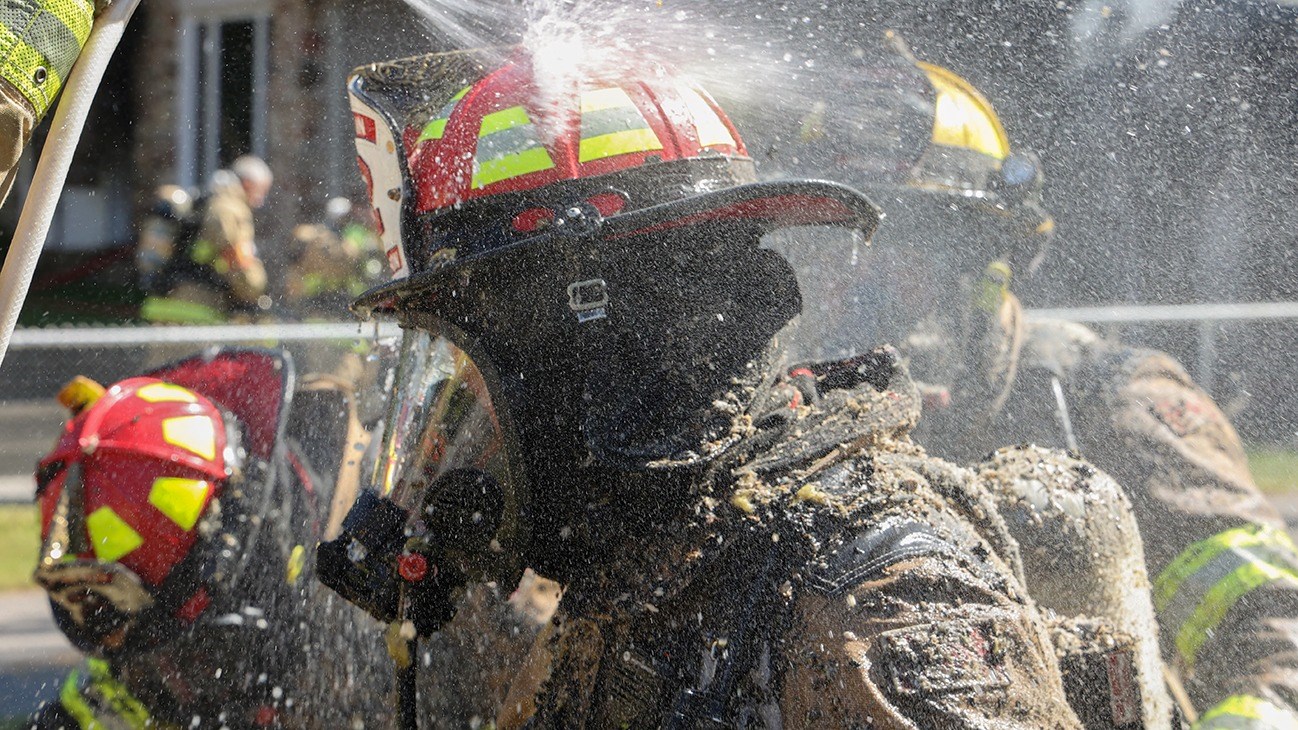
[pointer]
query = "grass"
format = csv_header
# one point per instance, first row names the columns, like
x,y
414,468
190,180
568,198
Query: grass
x,y
1276,470
19,545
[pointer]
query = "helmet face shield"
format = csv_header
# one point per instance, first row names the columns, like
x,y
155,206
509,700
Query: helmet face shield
x,y
447,455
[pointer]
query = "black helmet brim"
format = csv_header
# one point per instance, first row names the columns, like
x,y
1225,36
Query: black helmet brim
x,y
755,208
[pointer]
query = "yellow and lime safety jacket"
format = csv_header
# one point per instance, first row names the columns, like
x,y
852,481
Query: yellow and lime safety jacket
x,y
39,41
93,699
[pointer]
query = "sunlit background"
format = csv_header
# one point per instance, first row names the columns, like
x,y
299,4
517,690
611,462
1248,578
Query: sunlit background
x,y
1165,130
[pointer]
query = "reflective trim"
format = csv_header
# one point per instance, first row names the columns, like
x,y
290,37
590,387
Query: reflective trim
x,y
611,125
963,118
514,116
618,143
191,433
433,130
179,311
76,705
1245,712
436,128
110,537
508,147
990,291
39,42
1221,599
125,707
492,171
506,142
166,393
600,99
181,500
296,563
608,121
1196,591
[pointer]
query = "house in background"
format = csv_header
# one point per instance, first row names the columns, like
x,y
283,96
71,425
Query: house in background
x,y
197,83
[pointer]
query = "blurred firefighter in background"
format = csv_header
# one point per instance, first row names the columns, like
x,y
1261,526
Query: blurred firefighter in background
x,y
591,384
179,514
964,212
331,263
213,274
169,220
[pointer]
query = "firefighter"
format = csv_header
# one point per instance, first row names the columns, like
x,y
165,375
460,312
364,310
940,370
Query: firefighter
x,y
331,263
169,220
214,274
591,385
40,41
179,511
965,210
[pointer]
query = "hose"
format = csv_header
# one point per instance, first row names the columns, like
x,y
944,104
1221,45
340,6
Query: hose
x,y
56,158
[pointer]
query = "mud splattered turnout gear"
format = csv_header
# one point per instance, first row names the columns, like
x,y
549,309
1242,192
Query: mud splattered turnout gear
x,y
841,565
1223,576
1223,569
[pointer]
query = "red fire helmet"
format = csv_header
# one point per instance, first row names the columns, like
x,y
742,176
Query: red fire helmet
x,y
149,457
503,134
472,163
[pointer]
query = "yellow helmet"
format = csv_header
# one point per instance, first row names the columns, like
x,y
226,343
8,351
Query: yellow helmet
x,y
969,154
968,145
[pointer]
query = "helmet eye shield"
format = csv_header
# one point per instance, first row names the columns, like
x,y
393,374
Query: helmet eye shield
x,y
447,455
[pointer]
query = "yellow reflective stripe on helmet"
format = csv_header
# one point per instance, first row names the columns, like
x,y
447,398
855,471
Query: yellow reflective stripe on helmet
x,y
963,117
191,433
711,130
110,536
612,125
599,99
491,171
436,128
618,143
1245,712
39,41
180,311
166,393
508,147
1198,589
433,130
514,116
182,500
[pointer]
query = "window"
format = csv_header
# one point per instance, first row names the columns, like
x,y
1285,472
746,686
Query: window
x,y
222,99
